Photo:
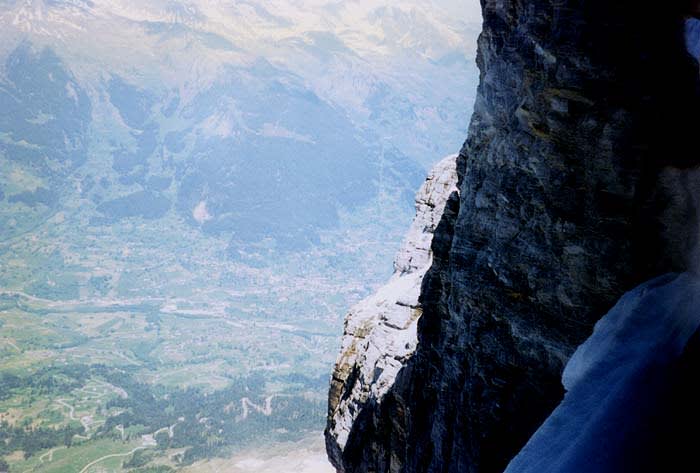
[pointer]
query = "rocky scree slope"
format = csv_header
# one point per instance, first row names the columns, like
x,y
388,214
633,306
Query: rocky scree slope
x,y
571,192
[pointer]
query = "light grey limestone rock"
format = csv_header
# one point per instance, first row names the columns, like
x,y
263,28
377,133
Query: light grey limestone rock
x,y
381,331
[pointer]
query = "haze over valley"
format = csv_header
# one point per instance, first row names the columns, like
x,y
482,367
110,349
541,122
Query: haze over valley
x,y
192,194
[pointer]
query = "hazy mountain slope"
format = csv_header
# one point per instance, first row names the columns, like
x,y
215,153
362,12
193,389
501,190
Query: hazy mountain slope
x,y
412,57
190,196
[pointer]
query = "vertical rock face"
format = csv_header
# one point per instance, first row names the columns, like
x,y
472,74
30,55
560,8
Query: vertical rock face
x,y
583,116
381,331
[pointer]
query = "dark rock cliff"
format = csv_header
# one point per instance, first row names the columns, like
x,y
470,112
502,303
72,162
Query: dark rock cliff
x,y
571,192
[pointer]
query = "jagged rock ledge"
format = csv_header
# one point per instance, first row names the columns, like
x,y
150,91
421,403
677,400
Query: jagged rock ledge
x,y
381,331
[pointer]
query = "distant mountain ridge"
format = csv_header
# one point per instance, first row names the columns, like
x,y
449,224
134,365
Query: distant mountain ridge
x,y
196,113
346,54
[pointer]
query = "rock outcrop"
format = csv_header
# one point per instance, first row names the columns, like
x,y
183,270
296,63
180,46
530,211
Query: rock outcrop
x,y
381,331
582,107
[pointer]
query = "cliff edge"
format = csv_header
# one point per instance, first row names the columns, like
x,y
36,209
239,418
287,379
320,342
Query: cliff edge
x,y
571,192
380,333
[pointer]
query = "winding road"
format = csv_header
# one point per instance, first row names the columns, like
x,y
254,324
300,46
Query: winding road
x,y
113,455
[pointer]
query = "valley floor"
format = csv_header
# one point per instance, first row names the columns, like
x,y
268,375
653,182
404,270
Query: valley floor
x,y
305,456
